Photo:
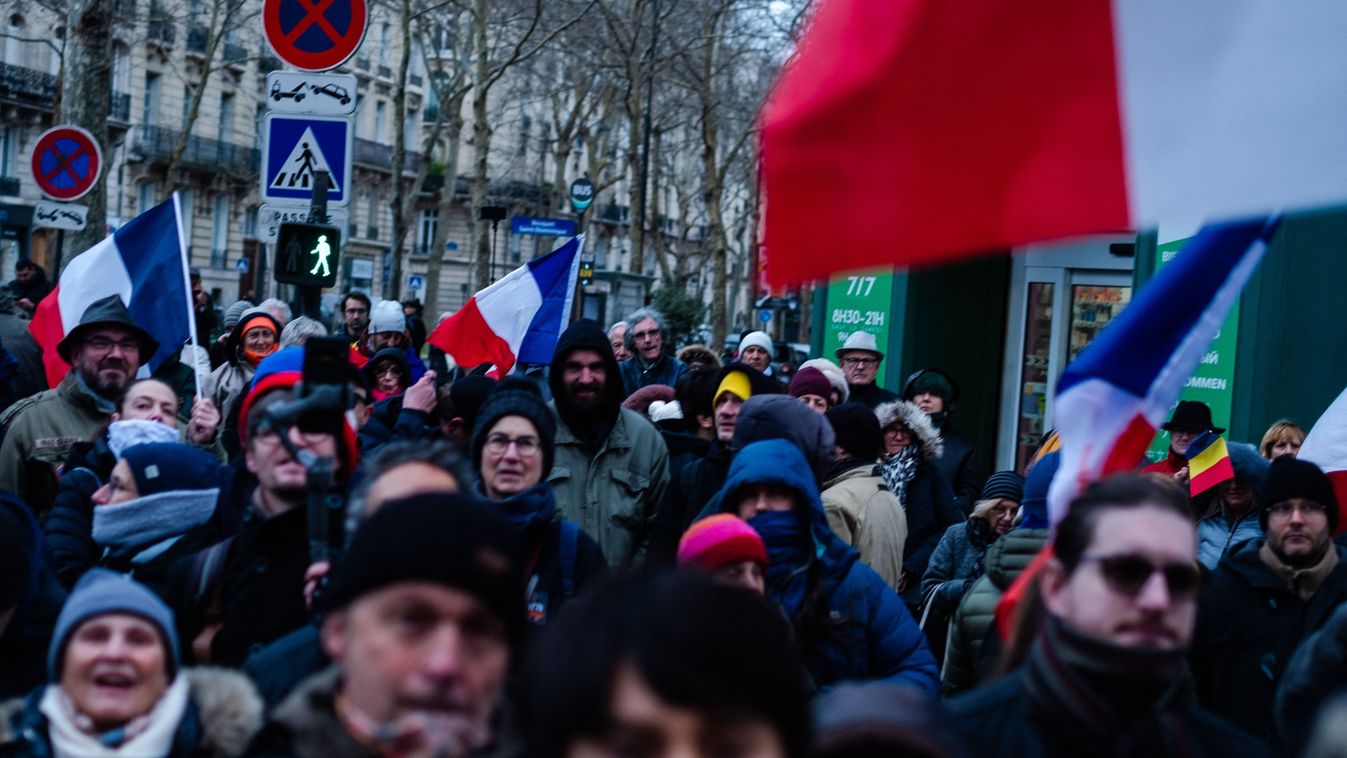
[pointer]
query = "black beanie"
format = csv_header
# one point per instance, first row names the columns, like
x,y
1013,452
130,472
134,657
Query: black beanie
x,y
1289,477
515,397
440,538
1006,485
857,431
467,395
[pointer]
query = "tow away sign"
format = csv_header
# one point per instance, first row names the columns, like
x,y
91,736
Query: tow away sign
x,y
318,94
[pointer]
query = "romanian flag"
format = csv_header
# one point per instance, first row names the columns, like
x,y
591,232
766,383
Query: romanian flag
x,y
1208,462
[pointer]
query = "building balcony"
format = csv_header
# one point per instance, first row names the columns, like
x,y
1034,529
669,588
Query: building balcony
x,y
154,144
9,185
380,156
385,72
362,64
431,114
234,53
26,86
414,79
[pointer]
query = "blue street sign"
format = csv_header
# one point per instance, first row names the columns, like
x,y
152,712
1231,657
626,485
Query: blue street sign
x,y
764,316
242,265
294,147
416,282
542,227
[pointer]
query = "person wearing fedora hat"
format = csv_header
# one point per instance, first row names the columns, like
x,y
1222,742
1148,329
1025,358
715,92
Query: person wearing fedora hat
x,y
1190,419
860,358
105,350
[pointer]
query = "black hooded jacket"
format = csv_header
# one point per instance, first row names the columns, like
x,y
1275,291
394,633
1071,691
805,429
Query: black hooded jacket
x,y
586,335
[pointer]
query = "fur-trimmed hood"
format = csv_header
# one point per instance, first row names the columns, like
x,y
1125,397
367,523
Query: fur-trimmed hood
x,y
915,419
228,714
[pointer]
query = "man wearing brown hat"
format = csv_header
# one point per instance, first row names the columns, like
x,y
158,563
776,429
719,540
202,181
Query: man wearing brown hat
x,y
105,350
1191,418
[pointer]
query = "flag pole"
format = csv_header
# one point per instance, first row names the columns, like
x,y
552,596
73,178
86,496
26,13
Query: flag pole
x,y
191,306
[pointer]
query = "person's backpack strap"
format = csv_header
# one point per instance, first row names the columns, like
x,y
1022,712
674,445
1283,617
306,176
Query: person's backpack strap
x,y
570,541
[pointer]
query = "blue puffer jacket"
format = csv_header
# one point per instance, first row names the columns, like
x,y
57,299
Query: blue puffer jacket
x,y
870,635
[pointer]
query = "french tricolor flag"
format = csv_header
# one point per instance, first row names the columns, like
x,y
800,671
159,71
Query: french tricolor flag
x,y
518,318
926,130
1119,390
144,262
1326,447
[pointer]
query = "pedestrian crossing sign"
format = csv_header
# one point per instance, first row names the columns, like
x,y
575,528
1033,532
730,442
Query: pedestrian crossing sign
x,y
295,147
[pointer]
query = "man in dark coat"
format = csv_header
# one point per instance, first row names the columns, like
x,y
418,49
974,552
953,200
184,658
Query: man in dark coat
x,y
29,286
255,582
1190,419
650,363
860,359
1267,595
1106,673
937,394
425,617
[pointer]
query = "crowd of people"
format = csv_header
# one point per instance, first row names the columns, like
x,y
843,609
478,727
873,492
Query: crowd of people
x,y
634,551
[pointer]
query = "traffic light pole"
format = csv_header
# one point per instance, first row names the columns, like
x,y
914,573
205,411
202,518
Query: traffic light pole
x,y
310,298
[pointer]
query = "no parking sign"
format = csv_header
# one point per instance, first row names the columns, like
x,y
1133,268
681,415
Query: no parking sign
x,y
66,162
315,35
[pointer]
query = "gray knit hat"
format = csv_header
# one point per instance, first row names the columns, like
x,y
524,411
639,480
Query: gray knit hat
x,y
100,592
234,312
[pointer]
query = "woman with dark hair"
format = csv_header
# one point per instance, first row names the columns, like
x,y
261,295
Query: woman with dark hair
x,y
849,624
666,664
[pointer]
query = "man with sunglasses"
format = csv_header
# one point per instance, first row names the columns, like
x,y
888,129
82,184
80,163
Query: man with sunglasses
x,y
1268,595
105,350
1107,670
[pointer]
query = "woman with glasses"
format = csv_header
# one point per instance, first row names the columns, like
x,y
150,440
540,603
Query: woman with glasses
x,y
512,452
387,374
911,446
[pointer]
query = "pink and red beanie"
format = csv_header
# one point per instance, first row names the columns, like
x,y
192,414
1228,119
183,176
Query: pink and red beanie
x,y
720,540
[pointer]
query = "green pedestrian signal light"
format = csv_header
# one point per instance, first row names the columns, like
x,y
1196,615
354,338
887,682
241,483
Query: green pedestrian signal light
x,y
306,254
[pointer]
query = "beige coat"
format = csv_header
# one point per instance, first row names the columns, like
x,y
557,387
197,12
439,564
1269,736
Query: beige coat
x,y
867,516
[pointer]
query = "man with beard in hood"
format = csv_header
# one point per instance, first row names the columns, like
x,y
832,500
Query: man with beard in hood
x,y
611,465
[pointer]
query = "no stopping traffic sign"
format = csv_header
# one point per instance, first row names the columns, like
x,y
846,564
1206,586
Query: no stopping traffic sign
x,y
315,35
66,162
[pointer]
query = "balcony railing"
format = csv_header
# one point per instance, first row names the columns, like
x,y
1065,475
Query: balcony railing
x,y
414,79
380,156
26,86
155,144
431,114
9,185
362,64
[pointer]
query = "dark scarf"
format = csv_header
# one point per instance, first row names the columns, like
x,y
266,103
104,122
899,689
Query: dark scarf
x,y
1123,701
846,464
790,553
535,505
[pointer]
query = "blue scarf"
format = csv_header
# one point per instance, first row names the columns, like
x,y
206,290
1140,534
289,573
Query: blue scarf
x,y
790,553
524,509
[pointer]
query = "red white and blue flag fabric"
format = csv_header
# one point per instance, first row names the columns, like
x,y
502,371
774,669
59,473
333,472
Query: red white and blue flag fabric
x,y
1326,447
926,130
145,262
518,318
1118,391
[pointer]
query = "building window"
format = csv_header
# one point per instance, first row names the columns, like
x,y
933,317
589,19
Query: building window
x,y
226,116
187,202
384,32
7,151
188,93
219,232
250,223
149,115
380,122
146,194
426,228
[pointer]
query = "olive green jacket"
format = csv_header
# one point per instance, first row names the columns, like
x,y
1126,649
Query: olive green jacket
x,y
1007,557
39,431
612,493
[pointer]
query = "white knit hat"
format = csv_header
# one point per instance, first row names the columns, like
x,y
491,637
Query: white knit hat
x,y
387,316
760,339
860,341
662,411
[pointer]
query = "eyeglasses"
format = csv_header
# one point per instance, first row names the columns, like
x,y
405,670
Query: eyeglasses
x,y
103,344
1128,574
497,444
894,431
1306,507
860,361
647,334
392,369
